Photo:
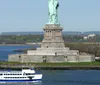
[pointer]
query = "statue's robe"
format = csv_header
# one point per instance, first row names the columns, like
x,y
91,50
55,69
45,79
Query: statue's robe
x,y
53,15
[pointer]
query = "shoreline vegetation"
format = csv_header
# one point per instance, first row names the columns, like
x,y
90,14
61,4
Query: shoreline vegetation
x,y
52,66
24,50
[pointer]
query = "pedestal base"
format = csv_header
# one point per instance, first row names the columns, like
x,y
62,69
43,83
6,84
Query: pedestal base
x,y
52,37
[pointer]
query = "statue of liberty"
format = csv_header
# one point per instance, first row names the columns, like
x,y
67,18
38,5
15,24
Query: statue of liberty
x,y
53,11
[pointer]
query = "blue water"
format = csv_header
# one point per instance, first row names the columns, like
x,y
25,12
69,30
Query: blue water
x,y
66,77
56,77
71,77
6,50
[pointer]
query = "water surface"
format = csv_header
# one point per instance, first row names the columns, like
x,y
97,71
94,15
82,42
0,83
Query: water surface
x,y
6,50
56,77
66,77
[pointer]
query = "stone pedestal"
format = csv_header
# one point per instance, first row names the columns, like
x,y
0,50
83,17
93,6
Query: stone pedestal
x,y
52,36
52,49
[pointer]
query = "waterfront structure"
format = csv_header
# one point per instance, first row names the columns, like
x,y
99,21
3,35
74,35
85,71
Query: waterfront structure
x,y
52,48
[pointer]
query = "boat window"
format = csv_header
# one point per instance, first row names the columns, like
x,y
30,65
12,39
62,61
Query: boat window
x,y
29,73
15,77
19,74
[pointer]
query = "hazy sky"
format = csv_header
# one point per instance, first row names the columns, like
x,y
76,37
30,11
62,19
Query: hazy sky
x,y
32,15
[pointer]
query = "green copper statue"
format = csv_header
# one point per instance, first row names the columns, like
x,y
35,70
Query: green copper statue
x,y
53,11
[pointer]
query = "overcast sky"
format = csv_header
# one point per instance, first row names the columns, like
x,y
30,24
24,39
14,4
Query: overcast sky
x,y
32,15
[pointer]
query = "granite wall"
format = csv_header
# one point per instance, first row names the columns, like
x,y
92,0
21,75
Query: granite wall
x,y
42,58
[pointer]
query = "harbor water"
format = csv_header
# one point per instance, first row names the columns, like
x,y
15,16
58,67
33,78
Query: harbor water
x,y
56,77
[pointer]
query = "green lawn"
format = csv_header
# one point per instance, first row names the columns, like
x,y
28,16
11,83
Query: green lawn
x,y
54,64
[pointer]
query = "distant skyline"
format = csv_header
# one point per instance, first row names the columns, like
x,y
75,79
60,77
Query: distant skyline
x,y
32,15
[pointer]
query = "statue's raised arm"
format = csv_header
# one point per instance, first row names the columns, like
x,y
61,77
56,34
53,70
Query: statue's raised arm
x,y
53,11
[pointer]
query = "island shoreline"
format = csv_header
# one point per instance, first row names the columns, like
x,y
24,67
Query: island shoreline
x,y
51,66
56,68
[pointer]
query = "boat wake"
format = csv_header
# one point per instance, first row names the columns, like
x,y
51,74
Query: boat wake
x,y
21,83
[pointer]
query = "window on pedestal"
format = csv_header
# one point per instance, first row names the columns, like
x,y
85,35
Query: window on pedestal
x,y
19,58
44,59
65,56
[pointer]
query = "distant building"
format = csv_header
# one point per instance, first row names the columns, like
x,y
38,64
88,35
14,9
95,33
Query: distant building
x,y
89,36
85,38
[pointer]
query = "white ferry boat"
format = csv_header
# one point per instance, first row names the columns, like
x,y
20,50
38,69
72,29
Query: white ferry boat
x,y
26,75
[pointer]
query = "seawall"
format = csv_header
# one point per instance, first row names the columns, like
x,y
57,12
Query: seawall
x,y
51,67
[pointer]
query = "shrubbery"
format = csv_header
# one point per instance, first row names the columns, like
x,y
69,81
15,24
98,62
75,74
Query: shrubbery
x,y
85,47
